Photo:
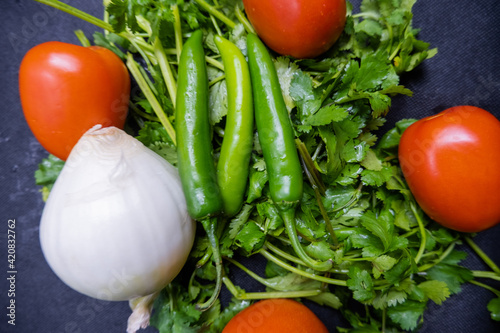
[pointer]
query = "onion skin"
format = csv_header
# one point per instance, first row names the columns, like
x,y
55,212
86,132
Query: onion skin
x,y
115,225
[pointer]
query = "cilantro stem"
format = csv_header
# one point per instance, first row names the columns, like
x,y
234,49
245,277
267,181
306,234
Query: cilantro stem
x,y
308,163
214,63
366,15
289,257
177,30
216,26
142,83
255,276
485,286
78,13
284,254
242,295
482,255
317,185
243,20
265,282
142,113
217,79
441,258
82,38
166,71
486,275
213,11
295,270
423,233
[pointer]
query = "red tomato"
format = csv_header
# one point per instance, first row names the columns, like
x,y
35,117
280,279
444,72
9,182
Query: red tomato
x,y
299,28
276,316
451,162
66,89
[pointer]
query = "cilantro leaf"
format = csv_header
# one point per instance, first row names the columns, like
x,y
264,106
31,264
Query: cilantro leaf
x,y
407,314
494,308
361,283
435,290
450,272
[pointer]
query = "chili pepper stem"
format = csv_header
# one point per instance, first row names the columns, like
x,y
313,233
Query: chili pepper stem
x,y
287,212
210,226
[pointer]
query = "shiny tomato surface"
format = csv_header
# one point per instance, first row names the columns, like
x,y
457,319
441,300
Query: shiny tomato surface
x,y
299,28
66,89
451,162
276,316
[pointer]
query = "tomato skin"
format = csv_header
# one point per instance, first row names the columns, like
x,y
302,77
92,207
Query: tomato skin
x,y
275,316
451,162
66,89
299,28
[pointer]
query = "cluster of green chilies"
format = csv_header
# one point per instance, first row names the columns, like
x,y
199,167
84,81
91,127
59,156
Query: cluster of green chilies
x,y
210,192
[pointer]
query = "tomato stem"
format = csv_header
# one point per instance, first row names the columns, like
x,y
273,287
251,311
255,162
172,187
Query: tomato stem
x,y
482,255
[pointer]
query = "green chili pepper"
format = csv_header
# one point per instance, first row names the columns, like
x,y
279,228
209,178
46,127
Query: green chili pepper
x,y
277,140
194,149
275,130
237,145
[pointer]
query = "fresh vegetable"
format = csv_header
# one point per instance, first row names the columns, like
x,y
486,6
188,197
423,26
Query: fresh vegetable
x,y
275,130
194,150
451,162
276,315
355,212
237,145
276,139
66,89
115,225
299,28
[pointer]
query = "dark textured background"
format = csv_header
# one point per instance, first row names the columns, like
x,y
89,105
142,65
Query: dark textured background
x,y
465,71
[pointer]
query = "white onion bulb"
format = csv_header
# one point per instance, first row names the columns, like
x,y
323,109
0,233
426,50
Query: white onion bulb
x,y
115,225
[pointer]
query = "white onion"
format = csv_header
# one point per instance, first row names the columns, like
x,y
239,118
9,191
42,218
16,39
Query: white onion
x,y
115,225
